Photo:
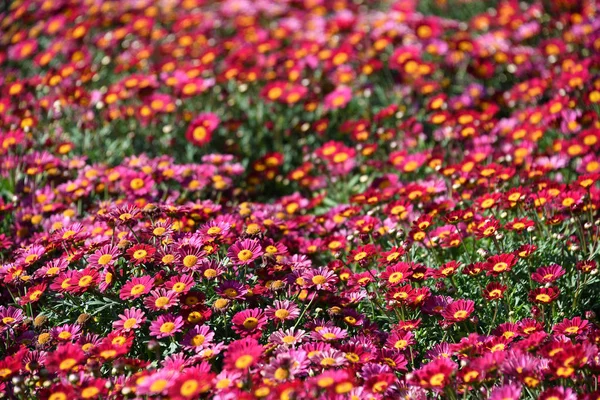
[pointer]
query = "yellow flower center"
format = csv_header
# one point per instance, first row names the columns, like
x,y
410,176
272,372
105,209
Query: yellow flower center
x,y
129,323
214,230
136,183
250,323
245,255
64,335
89,392
396,277
281,374
437,379
190,260
460,314
199,133
67,364
179,287
139,254
198,340
158,386
288,339
282,313
244,361
105,259
189,387
167,327
210,273
161,302
137,289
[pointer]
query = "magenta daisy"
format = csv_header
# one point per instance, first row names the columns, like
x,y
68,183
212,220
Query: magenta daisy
x,y
66,333
231,289
180,284
242,354
330,334
245,252
136,287
198,338
190,257
288,337
282,311
131,318
161,299
10,316
249,322
572,327
458,311
165,326
104,257
548,274
321,278
506,392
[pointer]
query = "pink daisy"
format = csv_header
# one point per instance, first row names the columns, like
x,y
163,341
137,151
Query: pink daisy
x,y
161,299
137,287
165,326
249,322
131,318
104,257
245,252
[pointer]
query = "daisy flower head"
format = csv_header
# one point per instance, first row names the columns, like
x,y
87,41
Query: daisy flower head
x,y
131,319
10,316
244,252
199,337
330,334
282,310
190,257
180,284
458,311
249,322
231,290
66,333
200,131
161,299
548,274
506,392
434,375
141,253
65,358
105,257
157,383
191,384
136,287
165,326
242,354
572,327
288,337
321,278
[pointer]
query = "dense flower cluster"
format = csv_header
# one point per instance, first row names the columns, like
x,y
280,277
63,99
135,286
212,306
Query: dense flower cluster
x,y
299,199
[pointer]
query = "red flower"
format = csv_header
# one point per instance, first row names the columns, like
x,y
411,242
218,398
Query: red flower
x,y
242,354
458,311
435,375
200,130
65,358
544,295
494,291
141,253
571,327
498,264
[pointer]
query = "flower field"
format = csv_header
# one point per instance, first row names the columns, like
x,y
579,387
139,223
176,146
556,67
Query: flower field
x,y
299,199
